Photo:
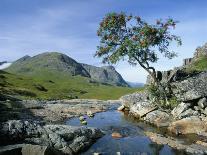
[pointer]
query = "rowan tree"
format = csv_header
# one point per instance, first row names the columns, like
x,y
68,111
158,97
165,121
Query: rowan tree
x,y
127,37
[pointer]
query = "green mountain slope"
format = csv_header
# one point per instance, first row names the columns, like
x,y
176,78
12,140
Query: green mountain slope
x,y
58,86
59,63
57,76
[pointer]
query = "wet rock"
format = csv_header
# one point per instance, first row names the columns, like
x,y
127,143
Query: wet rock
x,y
177,111
116,135
202,103
158,118
84,122
11,149
90,114
121,108
188,125
82,118
195,148
29,149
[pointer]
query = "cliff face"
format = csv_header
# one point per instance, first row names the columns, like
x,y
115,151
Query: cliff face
x,y
105,74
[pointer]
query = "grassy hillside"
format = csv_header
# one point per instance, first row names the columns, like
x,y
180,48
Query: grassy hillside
x,y
199,65
57,85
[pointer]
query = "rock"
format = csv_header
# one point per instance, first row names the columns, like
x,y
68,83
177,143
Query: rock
x,y
82,118
177,111
158,118
188,125
188,113
105,75
195,149
64,138
201,143
39,150
116,135
131,99
192,88
140,109
205,111
121,108
90,114
187,61
202,103
84,122
11,149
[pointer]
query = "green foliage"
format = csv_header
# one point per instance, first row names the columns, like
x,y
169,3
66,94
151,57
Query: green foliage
x,y
57,85
127,37
161,95
130,37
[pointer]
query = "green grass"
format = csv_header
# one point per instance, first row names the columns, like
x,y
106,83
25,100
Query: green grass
x,y
197,66
58,85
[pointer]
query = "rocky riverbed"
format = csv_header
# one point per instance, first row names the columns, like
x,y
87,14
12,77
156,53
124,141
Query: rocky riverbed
x,y
36,127
188,117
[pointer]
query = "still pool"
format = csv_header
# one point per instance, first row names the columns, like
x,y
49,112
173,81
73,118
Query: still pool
x,y
133,142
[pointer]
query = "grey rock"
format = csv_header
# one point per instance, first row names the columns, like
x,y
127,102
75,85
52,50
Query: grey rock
x,y
11,149
64,138
29,149
177,111
188,113
105,75
131,99
158,118
191,88
140,109
202,103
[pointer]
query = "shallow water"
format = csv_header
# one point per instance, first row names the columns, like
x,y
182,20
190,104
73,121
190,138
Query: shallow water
x,y
133,142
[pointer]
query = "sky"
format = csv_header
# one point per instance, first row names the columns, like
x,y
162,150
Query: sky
x,y
30,27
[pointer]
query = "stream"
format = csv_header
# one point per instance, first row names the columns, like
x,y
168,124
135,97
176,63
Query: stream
x,y
133,141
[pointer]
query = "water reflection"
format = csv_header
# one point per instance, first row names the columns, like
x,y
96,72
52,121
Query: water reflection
x,y
133,142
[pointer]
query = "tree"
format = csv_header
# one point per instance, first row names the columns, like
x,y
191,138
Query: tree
x,y
127,37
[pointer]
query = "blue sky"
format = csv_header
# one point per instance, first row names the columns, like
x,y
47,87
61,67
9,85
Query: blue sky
x,y
30,27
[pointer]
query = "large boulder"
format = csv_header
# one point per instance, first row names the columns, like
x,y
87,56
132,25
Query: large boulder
x,y
188,125
131,99
64,138
141,109
177,111
138,104
158,118
192,88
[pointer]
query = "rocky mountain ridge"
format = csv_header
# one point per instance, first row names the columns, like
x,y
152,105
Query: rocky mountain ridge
x,y
58,62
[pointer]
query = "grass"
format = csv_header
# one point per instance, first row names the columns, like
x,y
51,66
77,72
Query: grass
x,y
58,85
197,66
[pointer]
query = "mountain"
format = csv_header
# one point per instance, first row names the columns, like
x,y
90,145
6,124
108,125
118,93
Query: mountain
x,y
47,62
105,74
135,84
58,63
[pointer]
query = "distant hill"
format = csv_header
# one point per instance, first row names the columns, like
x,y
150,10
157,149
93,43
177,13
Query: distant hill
x,y
135,84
